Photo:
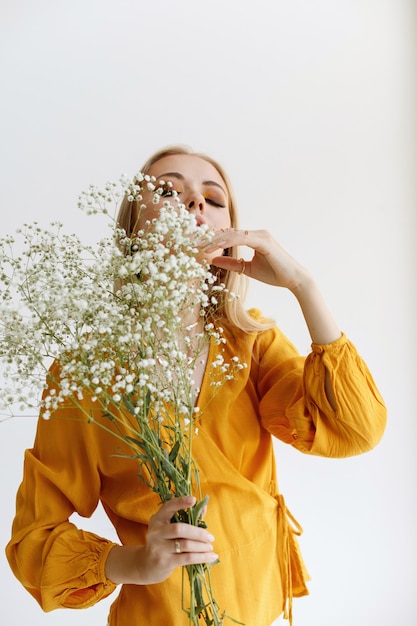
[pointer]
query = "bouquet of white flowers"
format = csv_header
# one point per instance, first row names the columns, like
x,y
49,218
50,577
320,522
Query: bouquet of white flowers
x,y
111,318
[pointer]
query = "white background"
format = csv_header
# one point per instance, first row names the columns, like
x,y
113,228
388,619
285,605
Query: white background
x,y
309,105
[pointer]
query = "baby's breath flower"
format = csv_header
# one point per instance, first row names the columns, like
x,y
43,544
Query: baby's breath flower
x,y
110,317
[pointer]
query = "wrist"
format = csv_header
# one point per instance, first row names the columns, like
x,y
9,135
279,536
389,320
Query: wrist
x,y
303,284
123,565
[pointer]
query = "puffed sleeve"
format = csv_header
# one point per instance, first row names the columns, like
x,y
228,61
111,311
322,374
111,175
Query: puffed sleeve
x,y
60,565
294,405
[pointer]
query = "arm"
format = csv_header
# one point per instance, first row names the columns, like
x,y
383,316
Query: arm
x,y
294,406
320,323
271,264
64,566
331,406
58,563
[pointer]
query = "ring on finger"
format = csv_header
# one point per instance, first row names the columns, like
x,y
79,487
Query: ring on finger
x,y
243,263
177,547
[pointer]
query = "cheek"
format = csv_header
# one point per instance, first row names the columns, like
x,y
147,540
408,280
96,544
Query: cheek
x,y
149,212
146,215
221,219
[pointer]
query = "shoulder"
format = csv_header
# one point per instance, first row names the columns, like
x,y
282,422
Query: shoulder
x,y
256,314
267,340
270,332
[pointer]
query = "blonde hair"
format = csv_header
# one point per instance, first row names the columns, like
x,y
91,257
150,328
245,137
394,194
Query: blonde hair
x,y
232,308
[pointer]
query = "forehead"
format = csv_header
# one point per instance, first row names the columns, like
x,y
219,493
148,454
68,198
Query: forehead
x,y
189,166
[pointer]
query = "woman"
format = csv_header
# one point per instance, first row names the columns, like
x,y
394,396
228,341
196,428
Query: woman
x,y
326,404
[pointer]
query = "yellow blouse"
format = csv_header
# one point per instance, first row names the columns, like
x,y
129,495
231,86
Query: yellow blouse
x,y
72,466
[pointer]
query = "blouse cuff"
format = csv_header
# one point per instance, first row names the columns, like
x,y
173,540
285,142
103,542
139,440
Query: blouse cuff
x,y
318,348
85,582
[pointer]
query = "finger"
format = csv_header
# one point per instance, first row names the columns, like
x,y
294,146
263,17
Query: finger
x,y
193,558
240,266
180,546
172,506
228,237
181,531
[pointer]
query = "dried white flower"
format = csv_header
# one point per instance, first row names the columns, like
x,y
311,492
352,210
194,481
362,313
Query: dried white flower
x,y
111,317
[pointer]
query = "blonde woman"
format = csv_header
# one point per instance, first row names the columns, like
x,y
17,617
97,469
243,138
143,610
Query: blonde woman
x,y
325,404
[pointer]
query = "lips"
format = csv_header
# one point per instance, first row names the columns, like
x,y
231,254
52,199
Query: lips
x,y
200,220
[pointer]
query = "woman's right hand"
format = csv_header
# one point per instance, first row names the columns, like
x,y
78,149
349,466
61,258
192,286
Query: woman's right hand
x,y
167,547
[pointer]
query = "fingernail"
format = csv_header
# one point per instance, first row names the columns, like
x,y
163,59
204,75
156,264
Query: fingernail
x,y
210,537
213,556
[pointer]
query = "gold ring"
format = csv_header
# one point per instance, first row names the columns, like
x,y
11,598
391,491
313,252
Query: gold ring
x,y
177,547
242,261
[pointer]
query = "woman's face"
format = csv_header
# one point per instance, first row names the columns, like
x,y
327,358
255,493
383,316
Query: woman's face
x,y
199,187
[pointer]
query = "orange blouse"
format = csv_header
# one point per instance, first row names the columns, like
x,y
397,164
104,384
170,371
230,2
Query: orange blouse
x,y
72,467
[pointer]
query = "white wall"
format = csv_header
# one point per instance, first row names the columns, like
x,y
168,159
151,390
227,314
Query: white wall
x,y
309,105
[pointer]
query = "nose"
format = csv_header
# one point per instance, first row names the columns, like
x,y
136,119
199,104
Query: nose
x,y
195,202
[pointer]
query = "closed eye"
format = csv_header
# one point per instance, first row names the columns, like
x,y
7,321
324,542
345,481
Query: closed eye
x,y
215,203
166,191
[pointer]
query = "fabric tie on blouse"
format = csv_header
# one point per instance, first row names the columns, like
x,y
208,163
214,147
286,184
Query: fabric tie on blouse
x,y
293,571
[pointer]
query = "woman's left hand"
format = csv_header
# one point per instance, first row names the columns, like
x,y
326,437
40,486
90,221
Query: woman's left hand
x,y
273,265
270,263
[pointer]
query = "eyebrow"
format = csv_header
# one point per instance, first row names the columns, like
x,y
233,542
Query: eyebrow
x,y
211,183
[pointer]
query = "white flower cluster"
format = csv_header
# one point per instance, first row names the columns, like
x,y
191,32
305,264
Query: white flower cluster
x,y
97,200
116,321
113,321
